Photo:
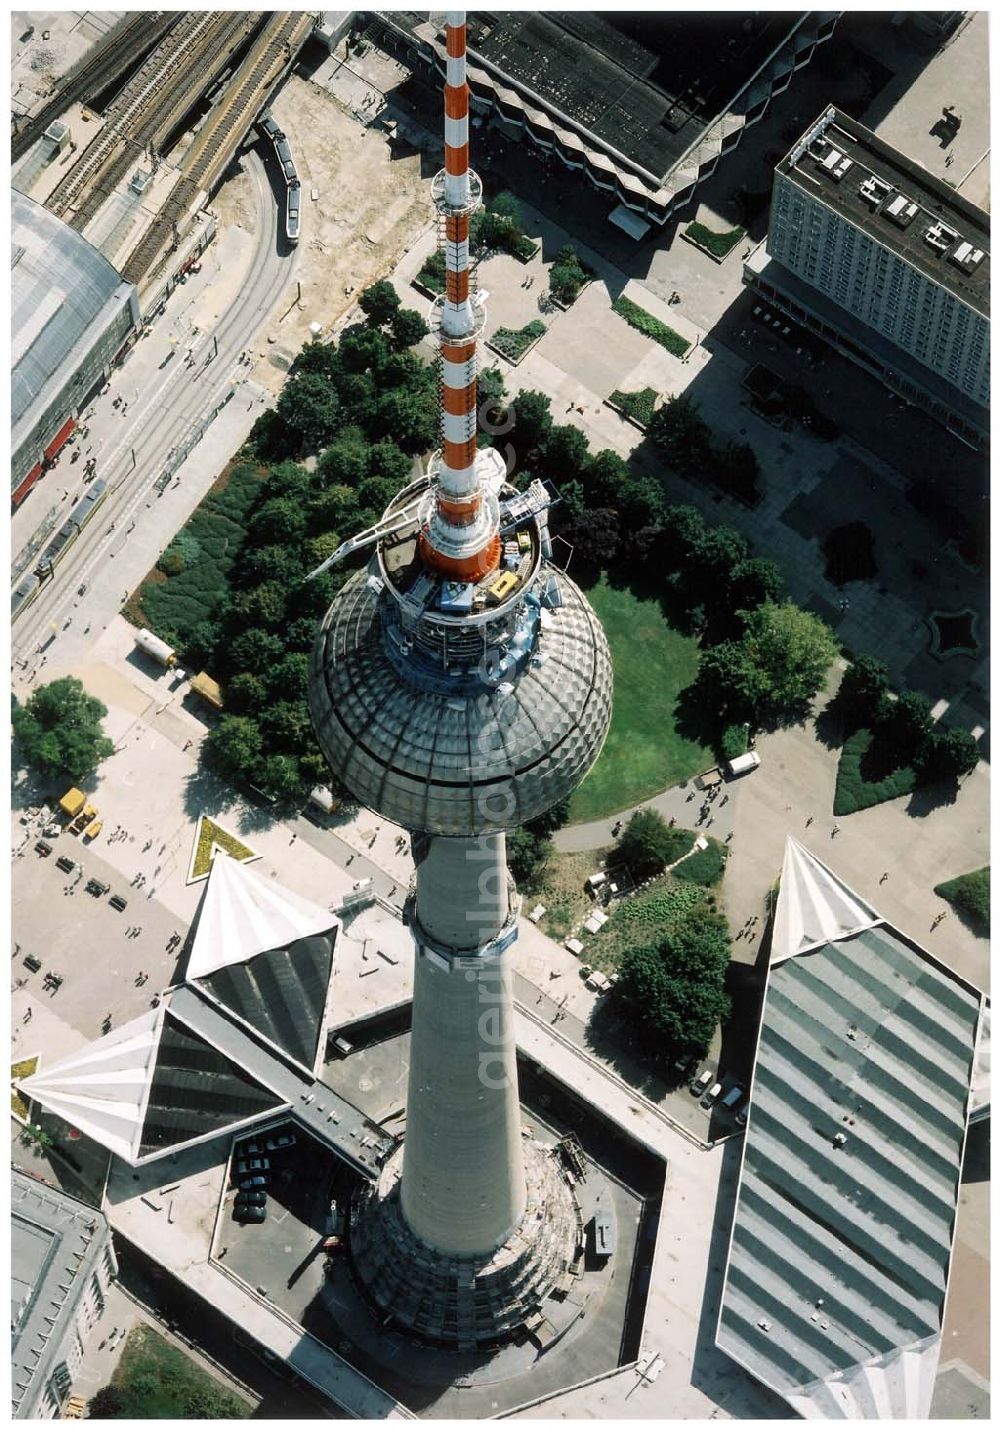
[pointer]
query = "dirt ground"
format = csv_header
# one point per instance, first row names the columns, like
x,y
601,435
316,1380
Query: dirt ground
x,y
369,209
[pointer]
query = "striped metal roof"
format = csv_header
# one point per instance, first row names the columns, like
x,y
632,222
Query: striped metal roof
x,y
841,1244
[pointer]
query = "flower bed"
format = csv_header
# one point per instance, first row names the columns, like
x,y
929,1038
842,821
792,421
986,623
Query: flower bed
x,y
716,245
635,407
652,327
513,343
19,1072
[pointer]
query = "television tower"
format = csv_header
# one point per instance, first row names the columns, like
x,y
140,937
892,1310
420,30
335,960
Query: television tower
x,y
460,686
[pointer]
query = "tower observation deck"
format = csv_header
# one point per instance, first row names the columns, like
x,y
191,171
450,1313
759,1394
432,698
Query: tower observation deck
x,y
460,686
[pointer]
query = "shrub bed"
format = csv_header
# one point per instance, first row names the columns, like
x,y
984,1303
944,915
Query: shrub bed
x,y
431,275
513,343
704,867
651,327
719,245
637,406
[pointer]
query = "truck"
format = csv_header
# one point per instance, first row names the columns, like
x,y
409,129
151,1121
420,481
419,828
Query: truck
x,y
72,802
155,648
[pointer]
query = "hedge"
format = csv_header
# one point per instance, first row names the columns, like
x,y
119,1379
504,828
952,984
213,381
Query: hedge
x,y
854,791
969,895
637,405
718,244
652,327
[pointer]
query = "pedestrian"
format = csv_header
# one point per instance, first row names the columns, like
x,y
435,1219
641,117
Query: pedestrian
x,y
809,820
292,839
835,831
883,878
27,1016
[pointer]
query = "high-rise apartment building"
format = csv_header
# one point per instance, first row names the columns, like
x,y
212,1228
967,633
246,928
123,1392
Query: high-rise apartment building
x,y
888,262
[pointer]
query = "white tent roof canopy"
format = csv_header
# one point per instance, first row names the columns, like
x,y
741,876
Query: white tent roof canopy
x,y
243,914
103,1088
815,906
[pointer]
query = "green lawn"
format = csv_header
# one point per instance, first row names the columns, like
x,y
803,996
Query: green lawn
x,y
157,1381
644,753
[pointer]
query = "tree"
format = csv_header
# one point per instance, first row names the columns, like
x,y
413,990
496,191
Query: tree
x,y
282,565
59,731
523,855
279,775
604,475
947,755
107,1403
594,537
376,492
491,386
567,275
263,605
754,581
640,503
234,746
310,410
334,509
288,478
407,328
380,303
684,530
907,724
408,419
362,349
566,453
731,682
357,398
288,679
321,357
347,459
649,844
387,461
792,649
677,985
681,433
246,693
279,521
253,650
864,692
285,723
532,424
201,640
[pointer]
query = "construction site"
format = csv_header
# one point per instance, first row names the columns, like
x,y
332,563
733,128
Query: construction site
x,y
140,131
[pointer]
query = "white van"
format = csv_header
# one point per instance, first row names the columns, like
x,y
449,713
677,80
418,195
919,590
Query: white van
x,y
742,764
712,1095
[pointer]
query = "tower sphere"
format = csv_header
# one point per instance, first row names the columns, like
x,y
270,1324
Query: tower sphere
x,y
463,740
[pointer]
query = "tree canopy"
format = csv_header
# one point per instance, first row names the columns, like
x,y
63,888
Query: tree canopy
x,y
648,844
59,730
677,984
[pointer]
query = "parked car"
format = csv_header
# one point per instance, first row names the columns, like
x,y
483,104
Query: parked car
x,y
700,1083
251,1198
252,1215
252,1164
42,848
248,1148
254,1183
733,1097
279,1143
96,888
66,864
712,1095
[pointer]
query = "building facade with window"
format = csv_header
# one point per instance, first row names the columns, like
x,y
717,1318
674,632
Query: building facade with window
x,y
62,1262
887,262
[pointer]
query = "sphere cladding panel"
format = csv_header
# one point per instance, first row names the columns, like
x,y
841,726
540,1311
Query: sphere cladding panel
x,y
464,763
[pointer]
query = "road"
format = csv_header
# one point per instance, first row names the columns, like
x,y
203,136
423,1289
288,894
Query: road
x,y
185,391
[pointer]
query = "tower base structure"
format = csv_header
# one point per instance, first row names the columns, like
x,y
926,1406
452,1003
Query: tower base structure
x,y
471,1302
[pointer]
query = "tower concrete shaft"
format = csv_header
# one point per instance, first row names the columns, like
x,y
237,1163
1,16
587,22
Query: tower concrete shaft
x,y
463,1186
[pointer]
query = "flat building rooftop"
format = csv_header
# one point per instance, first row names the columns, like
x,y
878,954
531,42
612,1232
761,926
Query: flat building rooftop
x,y
646,84
896,202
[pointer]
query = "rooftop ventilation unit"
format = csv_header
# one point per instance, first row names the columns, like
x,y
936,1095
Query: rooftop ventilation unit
x,y
835,164
140,181
940,237
966,257
902,211
875,190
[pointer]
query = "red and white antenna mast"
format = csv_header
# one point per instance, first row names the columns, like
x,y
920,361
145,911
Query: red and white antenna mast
x,y
459,535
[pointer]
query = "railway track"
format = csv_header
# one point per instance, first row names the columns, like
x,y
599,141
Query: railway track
x,y
130,39
216,142
171,80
